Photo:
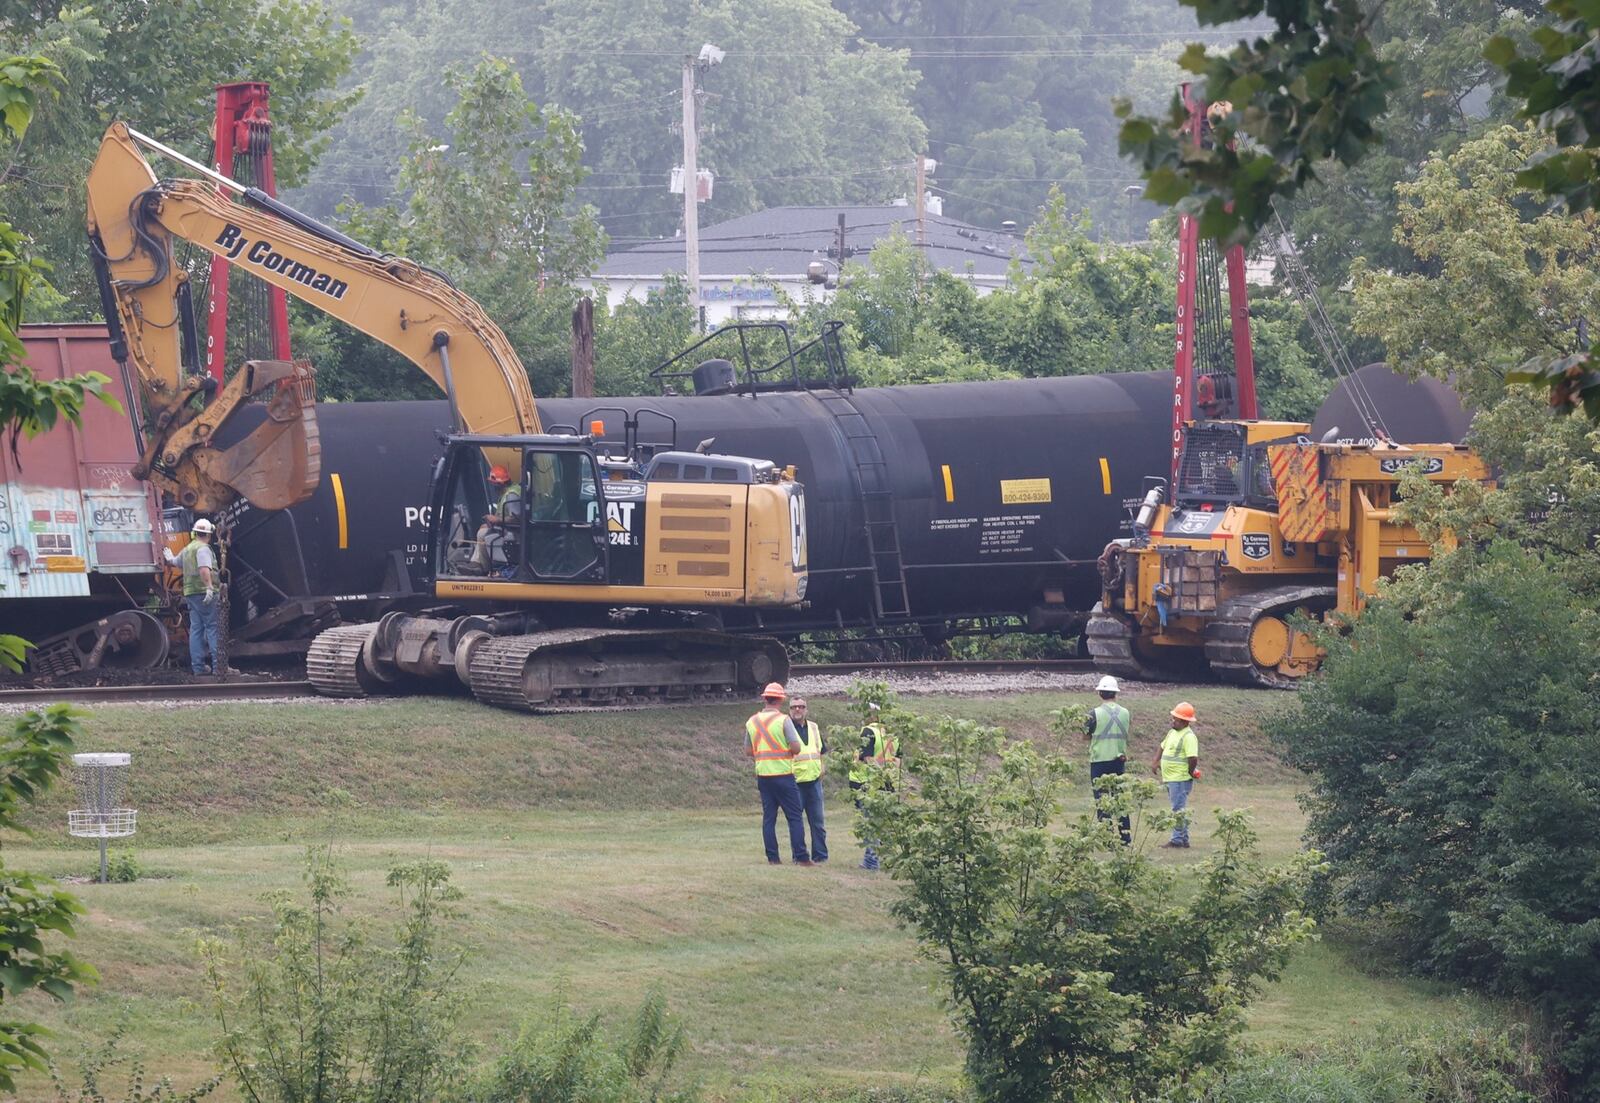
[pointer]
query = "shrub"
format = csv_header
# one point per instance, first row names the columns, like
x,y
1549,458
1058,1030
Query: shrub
x,y
566,1058
325,1013
122,868
1074,966
1455,769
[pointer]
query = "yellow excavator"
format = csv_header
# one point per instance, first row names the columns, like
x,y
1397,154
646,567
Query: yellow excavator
x,y
570,572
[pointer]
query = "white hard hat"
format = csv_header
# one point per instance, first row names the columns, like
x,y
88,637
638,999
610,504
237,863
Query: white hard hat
x,y
204,526
1108,684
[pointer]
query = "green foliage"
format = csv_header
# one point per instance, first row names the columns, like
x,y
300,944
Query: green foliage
x,y
324,1011
1075,968
95,1067
798,112
1451,746
21,81
638,335
122,867
1444,1066
566,1058
491,202
1311,89
1494,280
156,65
32,908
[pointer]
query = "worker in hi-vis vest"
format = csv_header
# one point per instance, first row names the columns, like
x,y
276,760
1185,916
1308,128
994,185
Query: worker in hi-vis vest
x,y
1107,732
878,748
809,766
198,562
773,743
1178,765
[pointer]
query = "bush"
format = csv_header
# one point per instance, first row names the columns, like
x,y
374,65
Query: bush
x,y
1455,768
569,1059
122,868
1075,967
323,1012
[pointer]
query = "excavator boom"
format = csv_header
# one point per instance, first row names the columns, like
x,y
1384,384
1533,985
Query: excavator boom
x,y
134,218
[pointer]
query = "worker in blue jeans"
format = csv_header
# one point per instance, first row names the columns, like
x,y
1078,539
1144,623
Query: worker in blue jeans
x,y
773,743
200,585
809,766
1177,763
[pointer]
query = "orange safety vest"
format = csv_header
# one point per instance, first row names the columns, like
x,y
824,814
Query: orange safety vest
x,y
769,746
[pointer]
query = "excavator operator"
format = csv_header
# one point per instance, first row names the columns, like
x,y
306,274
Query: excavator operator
x,y
498,534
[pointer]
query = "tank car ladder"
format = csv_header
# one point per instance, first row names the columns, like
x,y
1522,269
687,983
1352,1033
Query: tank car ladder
x,y
889,593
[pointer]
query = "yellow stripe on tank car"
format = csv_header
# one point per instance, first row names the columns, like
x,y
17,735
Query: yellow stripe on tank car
x,y
949,487
1105,475
338,505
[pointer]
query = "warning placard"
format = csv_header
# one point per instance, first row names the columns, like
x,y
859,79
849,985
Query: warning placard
x,y
1016,492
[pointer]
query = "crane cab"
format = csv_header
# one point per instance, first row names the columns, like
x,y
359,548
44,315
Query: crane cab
x,y
576,525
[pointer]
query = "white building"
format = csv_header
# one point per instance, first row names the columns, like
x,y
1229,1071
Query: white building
x,y
745,262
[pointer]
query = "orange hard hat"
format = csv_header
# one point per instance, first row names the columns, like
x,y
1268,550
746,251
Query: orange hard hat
x,y
1184,711
775,691
498,474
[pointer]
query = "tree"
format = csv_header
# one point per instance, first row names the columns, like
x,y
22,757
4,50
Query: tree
x,y
1075,967
1492,280
797,112
155,65
1309,90
32,908
1017,96
1452,751
491,203
29,405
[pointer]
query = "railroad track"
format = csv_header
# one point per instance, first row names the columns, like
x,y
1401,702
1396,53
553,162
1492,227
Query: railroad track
x,y
951,666
180,691
234,691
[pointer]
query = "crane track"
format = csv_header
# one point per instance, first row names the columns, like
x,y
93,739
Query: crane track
x,y
199,692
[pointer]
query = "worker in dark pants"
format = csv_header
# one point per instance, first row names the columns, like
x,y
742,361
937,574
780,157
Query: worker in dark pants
x,y
773,744
878,748
1107,732
809,767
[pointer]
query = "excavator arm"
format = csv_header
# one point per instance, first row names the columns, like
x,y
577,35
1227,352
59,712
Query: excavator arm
x,y
134,219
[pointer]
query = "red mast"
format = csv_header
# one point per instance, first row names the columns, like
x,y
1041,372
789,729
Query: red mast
x,y
243,128
1213,390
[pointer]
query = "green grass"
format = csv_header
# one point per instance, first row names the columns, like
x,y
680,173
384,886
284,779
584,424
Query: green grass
x,y
604,856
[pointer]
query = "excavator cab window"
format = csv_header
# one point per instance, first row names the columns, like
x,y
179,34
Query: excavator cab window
x,y
1213,468
563,541
480,522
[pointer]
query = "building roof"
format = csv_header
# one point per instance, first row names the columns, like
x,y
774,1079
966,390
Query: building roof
x,y
782,241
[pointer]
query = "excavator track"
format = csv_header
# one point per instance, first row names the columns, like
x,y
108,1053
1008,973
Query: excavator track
x,y
1228,635
590,669
1110,640
333,663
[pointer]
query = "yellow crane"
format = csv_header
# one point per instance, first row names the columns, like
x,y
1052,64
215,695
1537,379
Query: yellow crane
x,y
567,572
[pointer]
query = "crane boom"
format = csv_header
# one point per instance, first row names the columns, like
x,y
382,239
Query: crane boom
x,y
134,218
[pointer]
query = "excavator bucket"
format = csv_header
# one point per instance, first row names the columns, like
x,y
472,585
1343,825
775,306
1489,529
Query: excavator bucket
x,y
278,464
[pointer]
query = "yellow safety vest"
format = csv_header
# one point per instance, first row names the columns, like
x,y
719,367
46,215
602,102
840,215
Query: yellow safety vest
x,y
808,763
885,749
769,746
1110,739
1176,750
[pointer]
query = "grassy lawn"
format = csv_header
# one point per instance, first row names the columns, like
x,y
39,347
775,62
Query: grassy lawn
x,y
601,856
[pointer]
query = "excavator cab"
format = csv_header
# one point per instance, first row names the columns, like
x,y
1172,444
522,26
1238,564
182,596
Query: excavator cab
x,y
546,525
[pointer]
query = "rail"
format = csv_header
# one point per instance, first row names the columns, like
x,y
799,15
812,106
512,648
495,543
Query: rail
x,y
201,692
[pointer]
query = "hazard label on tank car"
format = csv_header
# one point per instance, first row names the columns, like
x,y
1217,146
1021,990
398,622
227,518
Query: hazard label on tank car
x,y
1016,492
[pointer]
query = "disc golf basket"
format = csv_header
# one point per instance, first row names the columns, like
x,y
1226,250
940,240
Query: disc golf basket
x,y
102,781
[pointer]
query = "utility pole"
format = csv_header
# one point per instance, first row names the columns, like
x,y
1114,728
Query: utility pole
x,y
922,202
691,191
583,348
841,246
